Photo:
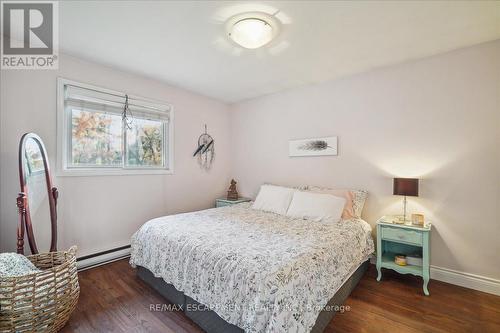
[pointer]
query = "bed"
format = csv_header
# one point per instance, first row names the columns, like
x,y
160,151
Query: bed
x,y
235,269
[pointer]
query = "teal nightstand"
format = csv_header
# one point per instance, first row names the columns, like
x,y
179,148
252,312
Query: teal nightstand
x,y
224,202
405,239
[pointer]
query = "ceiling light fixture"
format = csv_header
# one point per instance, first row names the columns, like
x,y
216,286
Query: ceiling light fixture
x,y
252,30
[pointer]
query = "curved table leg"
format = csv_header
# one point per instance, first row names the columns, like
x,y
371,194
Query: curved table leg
x,y
426,282
426,274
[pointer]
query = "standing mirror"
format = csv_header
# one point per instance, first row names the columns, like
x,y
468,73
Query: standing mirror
x,y
38,198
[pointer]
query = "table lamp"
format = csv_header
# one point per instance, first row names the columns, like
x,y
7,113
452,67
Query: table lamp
x,y
405,187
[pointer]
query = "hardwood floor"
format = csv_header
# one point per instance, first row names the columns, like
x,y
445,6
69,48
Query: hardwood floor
x,y
113,299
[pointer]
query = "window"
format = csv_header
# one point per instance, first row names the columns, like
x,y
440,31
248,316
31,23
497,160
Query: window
x,y
97,134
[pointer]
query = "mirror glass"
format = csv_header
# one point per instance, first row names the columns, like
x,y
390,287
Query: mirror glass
x,y
37,195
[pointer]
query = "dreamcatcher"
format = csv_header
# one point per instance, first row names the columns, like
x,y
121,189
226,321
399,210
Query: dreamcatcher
x,y
127,114
205,150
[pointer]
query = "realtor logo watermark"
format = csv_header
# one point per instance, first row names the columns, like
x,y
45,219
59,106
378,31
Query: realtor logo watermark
x,y
30,35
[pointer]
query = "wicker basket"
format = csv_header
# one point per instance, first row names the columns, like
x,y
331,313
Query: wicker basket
x,y
40,302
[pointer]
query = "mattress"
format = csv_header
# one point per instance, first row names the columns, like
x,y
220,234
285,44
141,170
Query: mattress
x,y
259,271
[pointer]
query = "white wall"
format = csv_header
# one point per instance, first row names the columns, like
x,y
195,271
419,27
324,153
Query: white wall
x,y
437,119
102,212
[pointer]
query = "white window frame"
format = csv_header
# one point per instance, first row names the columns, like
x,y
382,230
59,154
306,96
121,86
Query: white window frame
x,y
63,137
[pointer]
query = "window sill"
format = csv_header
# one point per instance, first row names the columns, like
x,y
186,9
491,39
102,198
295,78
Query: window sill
x,y
104,172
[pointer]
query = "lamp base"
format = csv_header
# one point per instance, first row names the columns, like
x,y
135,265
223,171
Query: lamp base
x,y
400,219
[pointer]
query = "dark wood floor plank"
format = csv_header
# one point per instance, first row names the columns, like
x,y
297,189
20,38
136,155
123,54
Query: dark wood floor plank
x,y
113,299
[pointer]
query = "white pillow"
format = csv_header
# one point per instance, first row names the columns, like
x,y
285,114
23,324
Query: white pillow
x,y
316,206
274,199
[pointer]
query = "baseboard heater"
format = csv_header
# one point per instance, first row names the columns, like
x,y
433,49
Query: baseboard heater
x,y
103,257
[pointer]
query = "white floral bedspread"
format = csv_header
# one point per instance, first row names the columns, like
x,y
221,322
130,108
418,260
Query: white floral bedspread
x,y
261,271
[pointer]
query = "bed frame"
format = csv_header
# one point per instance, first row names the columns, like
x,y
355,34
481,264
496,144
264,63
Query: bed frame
x,y
210,321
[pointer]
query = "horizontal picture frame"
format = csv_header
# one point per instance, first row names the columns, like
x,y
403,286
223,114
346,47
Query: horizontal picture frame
x,y
324,146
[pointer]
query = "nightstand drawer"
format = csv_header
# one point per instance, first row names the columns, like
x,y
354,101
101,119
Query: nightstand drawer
x,y
401,235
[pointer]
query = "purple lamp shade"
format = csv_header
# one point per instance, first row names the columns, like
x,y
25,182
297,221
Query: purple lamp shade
x,y
406,187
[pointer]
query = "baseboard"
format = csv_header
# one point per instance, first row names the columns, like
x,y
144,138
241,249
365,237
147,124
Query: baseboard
x,y
462,279
101,258
467,280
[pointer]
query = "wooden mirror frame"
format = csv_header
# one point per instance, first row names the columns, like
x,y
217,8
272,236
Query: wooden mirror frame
x,y
22,201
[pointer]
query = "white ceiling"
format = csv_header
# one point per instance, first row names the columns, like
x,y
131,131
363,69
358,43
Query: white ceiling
x,y
183,43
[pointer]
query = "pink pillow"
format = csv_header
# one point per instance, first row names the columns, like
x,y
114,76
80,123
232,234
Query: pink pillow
x,y
355,199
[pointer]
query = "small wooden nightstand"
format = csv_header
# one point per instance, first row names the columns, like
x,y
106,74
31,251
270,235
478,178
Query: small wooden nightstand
x,y
405,239
221,202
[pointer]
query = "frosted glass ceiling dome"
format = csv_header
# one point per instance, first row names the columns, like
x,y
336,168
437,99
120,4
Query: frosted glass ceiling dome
x,y
252,30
